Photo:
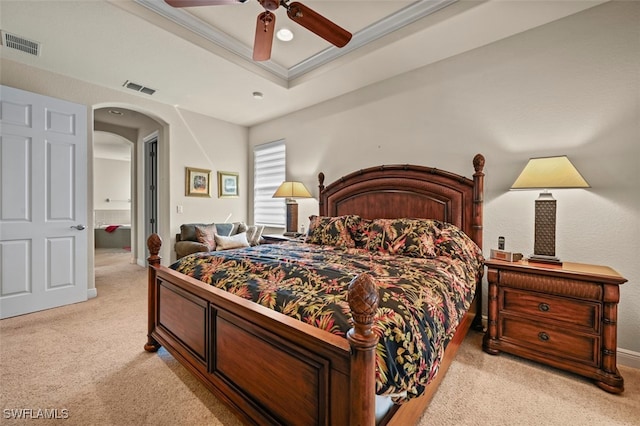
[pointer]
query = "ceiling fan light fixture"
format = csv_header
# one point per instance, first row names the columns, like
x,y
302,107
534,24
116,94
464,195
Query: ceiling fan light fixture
x,y
284,34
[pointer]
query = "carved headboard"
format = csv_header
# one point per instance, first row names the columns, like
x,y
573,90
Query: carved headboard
x,y
412,191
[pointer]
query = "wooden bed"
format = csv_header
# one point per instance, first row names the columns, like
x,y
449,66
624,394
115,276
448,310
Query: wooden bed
x,y
312,376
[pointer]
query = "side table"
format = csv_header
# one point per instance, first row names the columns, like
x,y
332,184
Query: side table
x,y
560,315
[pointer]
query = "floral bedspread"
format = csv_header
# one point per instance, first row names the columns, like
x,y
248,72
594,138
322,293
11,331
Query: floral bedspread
x,y
421,300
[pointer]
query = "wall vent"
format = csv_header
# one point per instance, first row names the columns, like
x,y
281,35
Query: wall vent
x,y
22,44
138,87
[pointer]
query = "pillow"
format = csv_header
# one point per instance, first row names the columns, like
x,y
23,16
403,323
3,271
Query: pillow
x,y
188,231
241,227
405,237
206,234
232,242
336,231
224,229
454,243
254,234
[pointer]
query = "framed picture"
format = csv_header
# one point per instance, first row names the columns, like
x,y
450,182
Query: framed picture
x,y
227,184
198,182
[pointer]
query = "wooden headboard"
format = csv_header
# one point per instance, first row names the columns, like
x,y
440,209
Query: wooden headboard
x,y
398,191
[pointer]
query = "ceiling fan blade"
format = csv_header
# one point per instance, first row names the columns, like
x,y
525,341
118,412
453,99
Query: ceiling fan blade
x,y
318,24
192,3
264,36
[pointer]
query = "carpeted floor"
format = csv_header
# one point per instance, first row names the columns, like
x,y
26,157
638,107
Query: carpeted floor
x,y
86,362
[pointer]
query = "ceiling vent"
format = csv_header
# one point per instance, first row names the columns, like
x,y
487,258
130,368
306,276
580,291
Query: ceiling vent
x,y
138,87
16,42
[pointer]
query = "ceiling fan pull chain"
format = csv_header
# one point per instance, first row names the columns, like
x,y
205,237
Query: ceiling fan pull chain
x,y
267,18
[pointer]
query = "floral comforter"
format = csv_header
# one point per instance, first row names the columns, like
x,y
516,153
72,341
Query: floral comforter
x,y
421,300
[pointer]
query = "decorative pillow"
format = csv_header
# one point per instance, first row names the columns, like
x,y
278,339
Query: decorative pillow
x,y
188,231
224,229
254,233
336,231
406,237
206,234
239,227
454,243
232,242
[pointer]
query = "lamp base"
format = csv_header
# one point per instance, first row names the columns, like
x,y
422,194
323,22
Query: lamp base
x,y
292,216
539,258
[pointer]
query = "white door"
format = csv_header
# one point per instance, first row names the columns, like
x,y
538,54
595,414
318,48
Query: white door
x,y
43,208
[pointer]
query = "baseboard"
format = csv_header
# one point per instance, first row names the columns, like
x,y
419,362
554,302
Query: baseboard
x,y
628,358
92,292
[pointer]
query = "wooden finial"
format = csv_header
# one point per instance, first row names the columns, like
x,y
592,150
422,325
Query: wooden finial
x,y
478,163
363,301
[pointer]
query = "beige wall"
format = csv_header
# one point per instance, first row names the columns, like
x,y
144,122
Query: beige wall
x,y
570,87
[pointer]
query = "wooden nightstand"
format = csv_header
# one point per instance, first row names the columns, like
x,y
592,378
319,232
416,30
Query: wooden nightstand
x,y
564,316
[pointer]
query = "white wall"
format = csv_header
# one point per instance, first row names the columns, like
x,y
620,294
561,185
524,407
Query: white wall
x,y
111,184
570,87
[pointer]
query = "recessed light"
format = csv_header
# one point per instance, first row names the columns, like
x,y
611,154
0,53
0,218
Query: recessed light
x,y
115,112
258,95
284,34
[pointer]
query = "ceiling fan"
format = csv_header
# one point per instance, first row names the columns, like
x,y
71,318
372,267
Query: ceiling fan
x,y
266,22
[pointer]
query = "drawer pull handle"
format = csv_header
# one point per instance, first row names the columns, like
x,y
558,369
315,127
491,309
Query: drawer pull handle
x,y
543,336
544,307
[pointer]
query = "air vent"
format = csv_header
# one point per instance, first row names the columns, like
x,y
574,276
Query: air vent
x,y
139,87
16,42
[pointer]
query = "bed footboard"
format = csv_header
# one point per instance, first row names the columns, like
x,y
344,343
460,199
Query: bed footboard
x,y
260,362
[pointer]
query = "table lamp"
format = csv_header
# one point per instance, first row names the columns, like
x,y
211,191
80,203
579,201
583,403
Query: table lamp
x,y
291,191
546,173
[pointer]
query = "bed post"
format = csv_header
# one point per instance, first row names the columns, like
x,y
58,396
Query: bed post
x,y
478,201
363,300
321,207
154,242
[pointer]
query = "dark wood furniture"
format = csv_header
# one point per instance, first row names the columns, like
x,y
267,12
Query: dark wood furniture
x,y
272,369
561,315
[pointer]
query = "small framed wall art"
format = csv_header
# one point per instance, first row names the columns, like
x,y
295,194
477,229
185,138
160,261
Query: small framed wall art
x,y
198,182
227,185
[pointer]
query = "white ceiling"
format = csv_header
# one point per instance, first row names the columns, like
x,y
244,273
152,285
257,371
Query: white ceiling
x,y
199,58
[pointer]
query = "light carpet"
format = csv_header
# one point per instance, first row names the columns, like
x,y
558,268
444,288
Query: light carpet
x,y
85,363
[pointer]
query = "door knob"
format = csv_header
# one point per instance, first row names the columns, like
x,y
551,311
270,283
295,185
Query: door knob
x,y
79,227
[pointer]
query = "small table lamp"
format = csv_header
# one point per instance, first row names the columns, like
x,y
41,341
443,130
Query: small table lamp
x,y
545,173
290,191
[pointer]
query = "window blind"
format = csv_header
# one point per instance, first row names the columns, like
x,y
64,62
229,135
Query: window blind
x,y
269,162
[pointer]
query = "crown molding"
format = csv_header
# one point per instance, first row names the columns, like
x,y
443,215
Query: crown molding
x,y
412,13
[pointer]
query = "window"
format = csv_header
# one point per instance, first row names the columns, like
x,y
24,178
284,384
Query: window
x,y
269,164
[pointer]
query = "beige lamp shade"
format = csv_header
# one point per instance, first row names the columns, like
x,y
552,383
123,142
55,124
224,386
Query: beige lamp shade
x,y
550,172
292,190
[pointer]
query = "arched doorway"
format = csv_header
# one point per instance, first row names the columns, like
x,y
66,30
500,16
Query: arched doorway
x,y
116,130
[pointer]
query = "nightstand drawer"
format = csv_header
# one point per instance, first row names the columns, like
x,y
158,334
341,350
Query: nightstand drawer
x,y
565,311
551,340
